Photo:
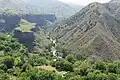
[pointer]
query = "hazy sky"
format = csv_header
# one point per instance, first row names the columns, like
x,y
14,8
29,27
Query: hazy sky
x,y
83,2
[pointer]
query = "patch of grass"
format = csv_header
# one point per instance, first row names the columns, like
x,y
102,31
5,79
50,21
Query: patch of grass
x,y
50,68
25,26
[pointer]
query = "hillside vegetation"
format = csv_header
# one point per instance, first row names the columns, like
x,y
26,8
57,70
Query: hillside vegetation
x,y
16,63
85,46
93,32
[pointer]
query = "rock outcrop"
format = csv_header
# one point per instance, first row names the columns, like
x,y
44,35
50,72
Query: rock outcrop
x,y
26,38
8,22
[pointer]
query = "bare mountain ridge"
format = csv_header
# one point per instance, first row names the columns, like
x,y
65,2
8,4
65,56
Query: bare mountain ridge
x,y
93,32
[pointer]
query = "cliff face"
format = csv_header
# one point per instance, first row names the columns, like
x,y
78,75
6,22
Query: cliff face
x,y
26,38
25,34
40,20
9,22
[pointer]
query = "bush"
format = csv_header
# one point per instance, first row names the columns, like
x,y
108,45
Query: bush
x,y
9,62
63,65
70,58
99,65
112,76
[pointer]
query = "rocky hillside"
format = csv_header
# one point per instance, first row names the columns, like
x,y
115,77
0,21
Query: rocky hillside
x,y
55,7
94,31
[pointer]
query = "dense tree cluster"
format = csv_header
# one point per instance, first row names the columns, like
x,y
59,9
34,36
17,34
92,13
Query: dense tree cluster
x,y
16,63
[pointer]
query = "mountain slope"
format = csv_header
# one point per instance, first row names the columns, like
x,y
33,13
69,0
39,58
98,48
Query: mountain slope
x,y
94,31
15,5
54,6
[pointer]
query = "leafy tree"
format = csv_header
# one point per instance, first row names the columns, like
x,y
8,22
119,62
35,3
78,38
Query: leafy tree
x,y
117,63
70,58
111,68
64,51
18,61
112,76
77,64
4,76
99,65
67,66
83,68
78,56
35,74
9,62
92,75
26,66
63,65
76,78
101,76
36,60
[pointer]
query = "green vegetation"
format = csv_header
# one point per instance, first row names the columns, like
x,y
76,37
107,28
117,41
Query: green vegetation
x,y
16,63
25,26
56,62
9,44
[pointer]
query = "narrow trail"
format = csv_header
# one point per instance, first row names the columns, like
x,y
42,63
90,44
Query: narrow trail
x,y
53,48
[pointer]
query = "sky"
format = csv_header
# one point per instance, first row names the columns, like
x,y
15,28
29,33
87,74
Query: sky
x,y
83,2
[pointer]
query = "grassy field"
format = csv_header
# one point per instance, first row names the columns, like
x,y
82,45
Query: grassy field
x,y
50,68
25,26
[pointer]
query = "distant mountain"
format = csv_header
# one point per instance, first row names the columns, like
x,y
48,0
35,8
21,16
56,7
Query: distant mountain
x,y
18,5
94,31
54,6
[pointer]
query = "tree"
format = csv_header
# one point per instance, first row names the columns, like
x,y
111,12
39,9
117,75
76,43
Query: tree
x,y
101,76
9,62
67,66
35,74
4,76
70,58
92,75
76,78
36,60
111,68
117,63
63,65
64,51
83,68
99,65
112,76
78,56
26,66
